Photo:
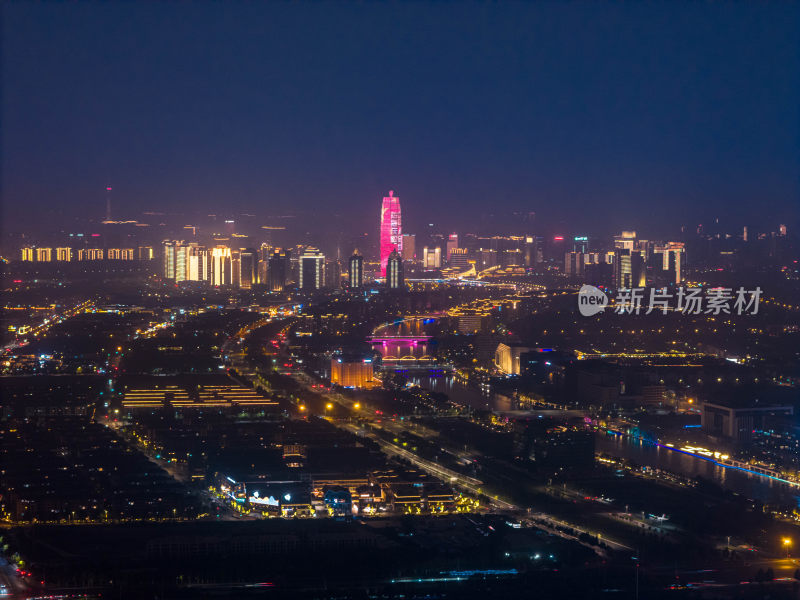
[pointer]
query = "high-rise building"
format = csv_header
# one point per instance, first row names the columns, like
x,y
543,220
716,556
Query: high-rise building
x,y
452,243
573,264
181,262
333,273
90,254
28,254
44,254
629,269
278,270
221,266
356,271
169,259
529,251
459,258
626,240
120,254
671,259
485,258
580,243
391,229
394,271
312,269
353,372
409,250
432,258
64,254
248,274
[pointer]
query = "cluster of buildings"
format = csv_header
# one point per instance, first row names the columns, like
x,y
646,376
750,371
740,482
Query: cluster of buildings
x,y
386,491
632,262
68,254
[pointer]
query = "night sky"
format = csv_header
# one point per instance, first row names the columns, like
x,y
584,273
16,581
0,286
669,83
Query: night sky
x,y
595,116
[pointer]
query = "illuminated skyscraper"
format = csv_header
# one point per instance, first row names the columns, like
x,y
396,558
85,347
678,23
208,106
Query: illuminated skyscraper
x,y
432,258
573,264
628,269
452,244
394,271
248,273
278,270
409,250
169,259
221,266
391,229
64,254
356,271
181,262
626,241
312,269
671,259
44,254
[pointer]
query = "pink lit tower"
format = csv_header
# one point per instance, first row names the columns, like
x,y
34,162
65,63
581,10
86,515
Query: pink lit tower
x,y
391,230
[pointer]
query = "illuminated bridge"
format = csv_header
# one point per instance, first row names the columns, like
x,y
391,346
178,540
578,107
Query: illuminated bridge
x,y
405,343
408,329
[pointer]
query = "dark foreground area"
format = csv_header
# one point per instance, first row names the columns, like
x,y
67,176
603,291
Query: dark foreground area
x,y
439,557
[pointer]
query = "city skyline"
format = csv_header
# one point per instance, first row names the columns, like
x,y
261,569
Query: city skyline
x,y
345,300
547,126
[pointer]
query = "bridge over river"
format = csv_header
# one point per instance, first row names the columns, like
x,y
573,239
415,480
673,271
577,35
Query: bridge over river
x,y
407,343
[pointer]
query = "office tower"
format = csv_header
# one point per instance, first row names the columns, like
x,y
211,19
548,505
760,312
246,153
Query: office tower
x,y
671,259
169,259
782,230
90,254
622,268
394,271
511,257
580,244
352,372
264,252
629,269
278,270
432,258
459,258
44,254
28,254
193,266
529,251
409,250
573,264
247,269
356,271
236,268
119,254
221,266
333,273
64,254
626,240
557,247
145,252
592,258
452,243
391,230
485,258
312,270
181,261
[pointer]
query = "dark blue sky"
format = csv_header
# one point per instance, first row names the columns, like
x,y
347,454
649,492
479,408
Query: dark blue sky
x,y
602,116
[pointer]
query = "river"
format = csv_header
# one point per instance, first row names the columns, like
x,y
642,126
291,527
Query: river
x,y
635,450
